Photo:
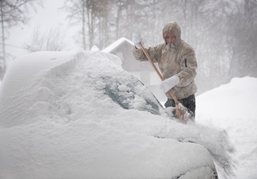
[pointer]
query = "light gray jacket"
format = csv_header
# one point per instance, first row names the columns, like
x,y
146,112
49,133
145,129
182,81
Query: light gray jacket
x,y
174,59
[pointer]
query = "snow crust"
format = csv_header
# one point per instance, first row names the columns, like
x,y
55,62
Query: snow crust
x,y
59,119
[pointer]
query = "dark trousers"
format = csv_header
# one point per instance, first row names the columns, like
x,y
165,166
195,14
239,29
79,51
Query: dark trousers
x,y
188,102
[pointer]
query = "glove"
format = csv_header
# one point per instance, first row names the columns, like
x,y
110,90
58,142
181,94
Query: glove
x,y
169,83
136,39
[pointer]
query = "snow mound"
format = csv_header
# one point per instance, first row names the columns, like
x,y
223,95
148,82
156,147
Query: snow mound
x,y
225,100
233,107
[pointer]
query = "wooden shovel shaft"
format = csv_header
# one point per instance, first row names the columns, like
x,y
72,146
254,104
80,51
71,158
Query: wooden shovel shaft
x,y
157,71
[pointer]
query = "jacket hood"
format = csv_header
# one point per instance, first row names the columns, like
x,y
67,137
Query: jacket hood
x,y
173,28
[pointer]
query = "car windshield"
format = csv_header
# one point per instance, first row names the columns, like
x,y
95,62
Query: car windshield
x,y
130,94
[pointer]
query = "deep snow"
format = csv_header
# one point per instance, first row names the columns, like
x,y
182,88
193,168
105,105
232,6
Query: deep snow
x,y
233,107
60,118
45,97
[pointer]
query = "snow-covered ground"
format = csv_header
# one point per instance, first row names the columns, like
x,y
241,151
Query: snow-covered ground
x,y
233,107
59,119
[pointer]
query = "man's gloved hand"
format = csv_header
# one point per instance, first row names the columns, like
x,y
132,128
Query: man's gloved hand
x,y
136,39
169,83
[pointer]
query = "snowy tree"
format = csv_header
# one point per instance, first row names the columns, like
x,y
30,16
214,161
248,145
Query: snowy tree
x,y
99,14
77,13
243,40
93,17
48,41
12,13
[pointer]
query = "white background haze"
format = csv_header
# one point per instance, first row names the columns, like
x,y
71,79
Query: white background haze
x,y
231,106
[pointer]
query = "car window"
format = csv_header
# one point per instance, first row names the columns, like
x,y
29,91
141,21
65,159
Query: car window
x,y
130,93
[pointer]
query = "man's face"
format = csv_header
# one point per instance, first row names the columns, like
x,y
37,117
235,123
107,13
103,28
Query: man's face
x,y
170,38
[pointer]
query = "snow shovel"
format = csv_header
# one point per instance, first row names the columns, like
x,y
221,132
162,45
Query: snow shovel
x,y
181,111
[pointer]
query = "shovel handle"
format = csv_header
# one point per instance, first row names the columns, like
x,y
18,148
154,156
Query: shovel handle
x,y
157,71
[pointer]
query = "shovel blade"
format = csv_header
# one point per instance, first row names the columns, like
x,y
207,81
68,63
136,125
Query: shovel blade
x,y
184,114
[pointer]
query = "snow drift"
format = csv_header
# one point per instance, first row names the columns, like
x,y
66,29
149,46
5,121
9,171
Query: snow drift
x,y
232,107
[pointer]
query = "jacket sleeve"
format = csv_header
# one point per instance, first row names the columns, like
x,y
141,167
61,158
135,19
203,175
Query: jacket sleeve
x,y
154,52
188,65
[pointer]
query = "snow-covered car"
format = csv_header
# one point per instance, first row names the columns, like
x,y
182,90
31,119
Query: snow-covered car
x,y
80,115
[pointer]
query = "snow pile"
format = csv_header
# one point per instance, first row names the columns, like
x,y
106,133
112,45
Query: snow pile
x,y
236,99
233,107
65,115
